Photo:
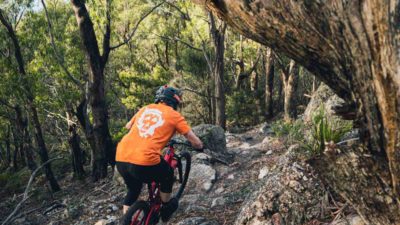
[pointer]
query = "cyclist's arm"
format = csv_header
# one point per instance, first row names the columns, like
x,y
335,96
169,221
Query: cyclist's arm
x,y
194,140
130,123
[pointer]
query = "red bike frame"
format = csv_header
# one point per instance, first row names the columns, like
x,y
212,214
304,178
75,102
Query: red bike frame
x,y
154,188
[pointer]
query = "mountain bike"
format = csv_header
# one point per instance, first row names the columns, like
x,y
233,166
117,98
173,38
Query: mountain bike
x,y
148,212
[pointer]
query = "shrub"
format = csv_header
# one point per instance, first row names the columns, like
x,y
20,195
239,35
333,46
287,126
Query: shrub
x,y
241,108
292,131
4,177
14,182
325,129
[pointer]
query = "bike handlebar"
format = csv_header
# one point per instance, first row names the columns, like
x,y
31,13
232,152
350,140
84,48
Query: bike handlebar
x,y
173,142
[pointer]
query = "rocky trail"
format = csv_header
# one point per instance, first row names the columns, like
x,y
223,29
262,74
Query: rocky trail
x,y
264,183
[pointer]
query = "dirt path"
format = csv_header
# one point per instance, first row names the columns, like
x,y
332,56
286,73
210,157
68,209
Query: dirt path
x,y
82,203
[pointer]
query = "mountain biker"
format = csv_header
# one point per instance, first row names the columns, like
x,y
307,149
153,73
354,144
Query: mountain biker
x,y
139,152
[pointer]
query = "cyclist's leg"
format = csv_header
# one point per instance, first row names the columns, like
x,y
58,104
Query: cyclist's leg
x,y
134,185
166,179
161,173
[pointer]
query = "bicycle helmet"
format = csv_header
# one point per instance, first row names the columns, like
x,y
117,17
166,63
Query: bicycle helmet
x,y
169,95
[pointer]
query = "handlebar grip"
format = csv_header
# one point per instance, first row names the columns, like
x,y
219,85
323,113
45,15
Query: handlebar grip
x,y
172,142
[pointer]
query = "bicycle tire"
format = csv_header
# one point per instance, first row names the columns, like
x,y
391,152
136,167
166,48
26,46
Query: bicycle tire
x,y
184,174
140,206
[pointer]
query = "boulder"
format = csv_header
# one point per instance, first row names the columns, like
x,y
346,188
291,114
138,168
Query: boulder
x,y
265,129
212,136
289,193
203,176
201,158
324,97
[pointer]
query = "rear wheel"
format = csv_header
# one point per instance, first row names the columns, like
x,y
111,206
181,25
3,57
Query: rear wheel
x,y
184,163
136,214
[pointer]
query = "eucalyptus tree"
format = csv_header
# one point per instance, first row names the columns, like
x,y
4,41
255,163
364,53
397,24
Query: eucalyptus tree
x,y
97,61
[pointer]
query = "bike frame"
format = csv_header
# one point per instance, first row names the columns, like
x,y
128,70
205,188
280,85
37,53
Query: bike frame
x,y
154,188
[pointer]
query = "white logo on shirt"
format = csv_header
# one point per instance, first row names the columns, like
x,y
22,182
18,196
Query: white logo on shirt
x,y
149,121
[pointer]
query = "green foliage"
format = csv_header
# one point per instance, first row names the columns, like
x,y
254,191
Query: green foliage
x,y
293,131
4,177
193,62
14,182
119,134
61,166
325,129
241,108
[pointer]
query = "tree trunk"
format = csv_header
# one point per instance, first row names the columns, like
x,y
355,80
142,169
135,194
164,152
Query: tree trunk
x,y
75,149
269,83
2,157
15,153
43,153
211,104
8,146
290,80
240,63
19,150
23,135
218,35
30,101
105,149
256,96
83,118
254,80
21,153
352,46
29,154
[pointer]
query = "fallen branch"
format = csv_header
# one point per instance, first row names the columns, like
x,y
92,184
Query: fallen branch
x,y
339,212
28,212
55,205
26,195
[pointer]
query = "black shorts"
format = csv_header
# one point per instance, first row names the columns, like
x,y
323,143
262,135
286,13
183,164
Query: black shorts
x,y
135,175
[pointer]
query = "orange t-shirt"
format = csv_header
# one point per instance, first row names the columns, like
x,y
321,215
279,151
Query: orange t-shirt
x,y
152,128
